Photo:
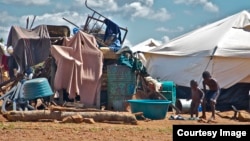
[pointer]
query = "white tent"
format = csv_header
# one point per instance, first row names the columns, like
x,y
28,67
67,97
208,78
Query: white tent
x,y
223,48
146,45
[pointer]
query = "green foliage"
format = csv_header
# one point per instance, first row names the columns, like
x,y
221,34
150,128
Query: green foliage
x,y
1,40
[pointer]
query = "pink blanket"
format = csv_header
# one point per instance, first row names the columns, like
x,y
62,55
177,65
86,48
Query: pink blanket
x,y
79,67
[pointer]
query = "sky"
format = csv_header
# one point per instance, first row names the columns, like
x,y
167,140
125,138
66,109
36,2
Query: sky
x,y
162,20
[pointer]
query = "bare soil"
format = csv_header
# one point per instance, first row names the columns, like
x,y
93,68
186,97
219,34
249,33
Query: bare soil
x,y
152,130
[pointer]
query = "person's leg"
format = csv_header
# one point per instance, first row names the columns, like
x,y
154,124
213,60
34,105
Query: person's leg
x,y
213,101
203,104
213,110
196,110
192,109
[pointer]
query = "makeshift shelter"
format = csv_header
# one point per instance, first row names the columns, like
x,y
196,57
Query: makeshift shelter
x,y
222,47
79,67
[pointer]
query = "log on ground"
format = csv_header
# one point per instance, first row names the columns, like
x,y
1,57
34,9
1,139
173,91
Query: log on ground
x,y
37,115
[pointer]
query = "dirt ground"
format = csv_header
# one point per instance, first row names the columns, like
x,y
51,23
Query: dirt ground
x,y
152,130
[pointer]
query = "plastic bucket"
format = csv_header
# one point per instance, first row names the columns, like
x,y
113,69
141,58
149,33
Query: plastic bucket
x,y
169,90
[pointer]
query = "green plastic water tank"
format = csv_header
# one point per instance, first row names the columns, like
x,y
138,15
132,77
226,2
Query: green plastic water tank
x,y
169,90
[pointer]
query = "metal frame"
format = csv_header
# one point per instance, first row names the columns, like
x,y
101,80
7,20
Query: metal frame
x,y
97,17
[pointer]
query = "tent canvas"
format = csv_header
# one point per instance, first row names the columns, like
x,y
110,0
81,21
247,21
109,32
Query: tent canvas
x,y
143,46
222,47
146,45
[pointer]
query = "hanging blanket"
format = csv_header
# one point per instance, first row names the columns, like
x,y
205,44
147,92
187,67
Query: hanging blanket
x,y
79,67
31,46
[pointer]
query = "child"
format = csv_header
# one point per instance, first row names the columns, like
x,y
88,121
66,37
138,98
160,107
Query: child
x,y
197,97
211,95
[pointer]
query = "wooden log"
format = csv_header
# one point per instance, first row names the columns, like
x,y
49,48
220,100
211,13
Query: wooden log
x,y
71,109
37,115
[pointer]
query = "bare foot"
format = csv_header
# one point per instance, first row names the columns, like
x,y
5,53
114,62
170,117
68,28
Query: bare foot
x,y
204,117
201,120
211,119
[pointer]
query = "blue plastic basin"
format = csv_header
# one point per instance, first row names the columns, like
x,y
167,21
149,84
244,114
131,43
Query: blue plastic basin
x,y
152,109
36,88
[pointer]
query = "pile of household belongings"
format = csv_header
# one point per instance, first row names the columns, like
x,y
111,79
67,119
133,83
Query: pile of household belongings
x,y
25,48
78,70
78,59
28,48
147,87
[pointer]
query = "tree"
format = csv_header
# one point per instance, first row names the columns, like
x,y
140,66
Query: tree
x,y
1,40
